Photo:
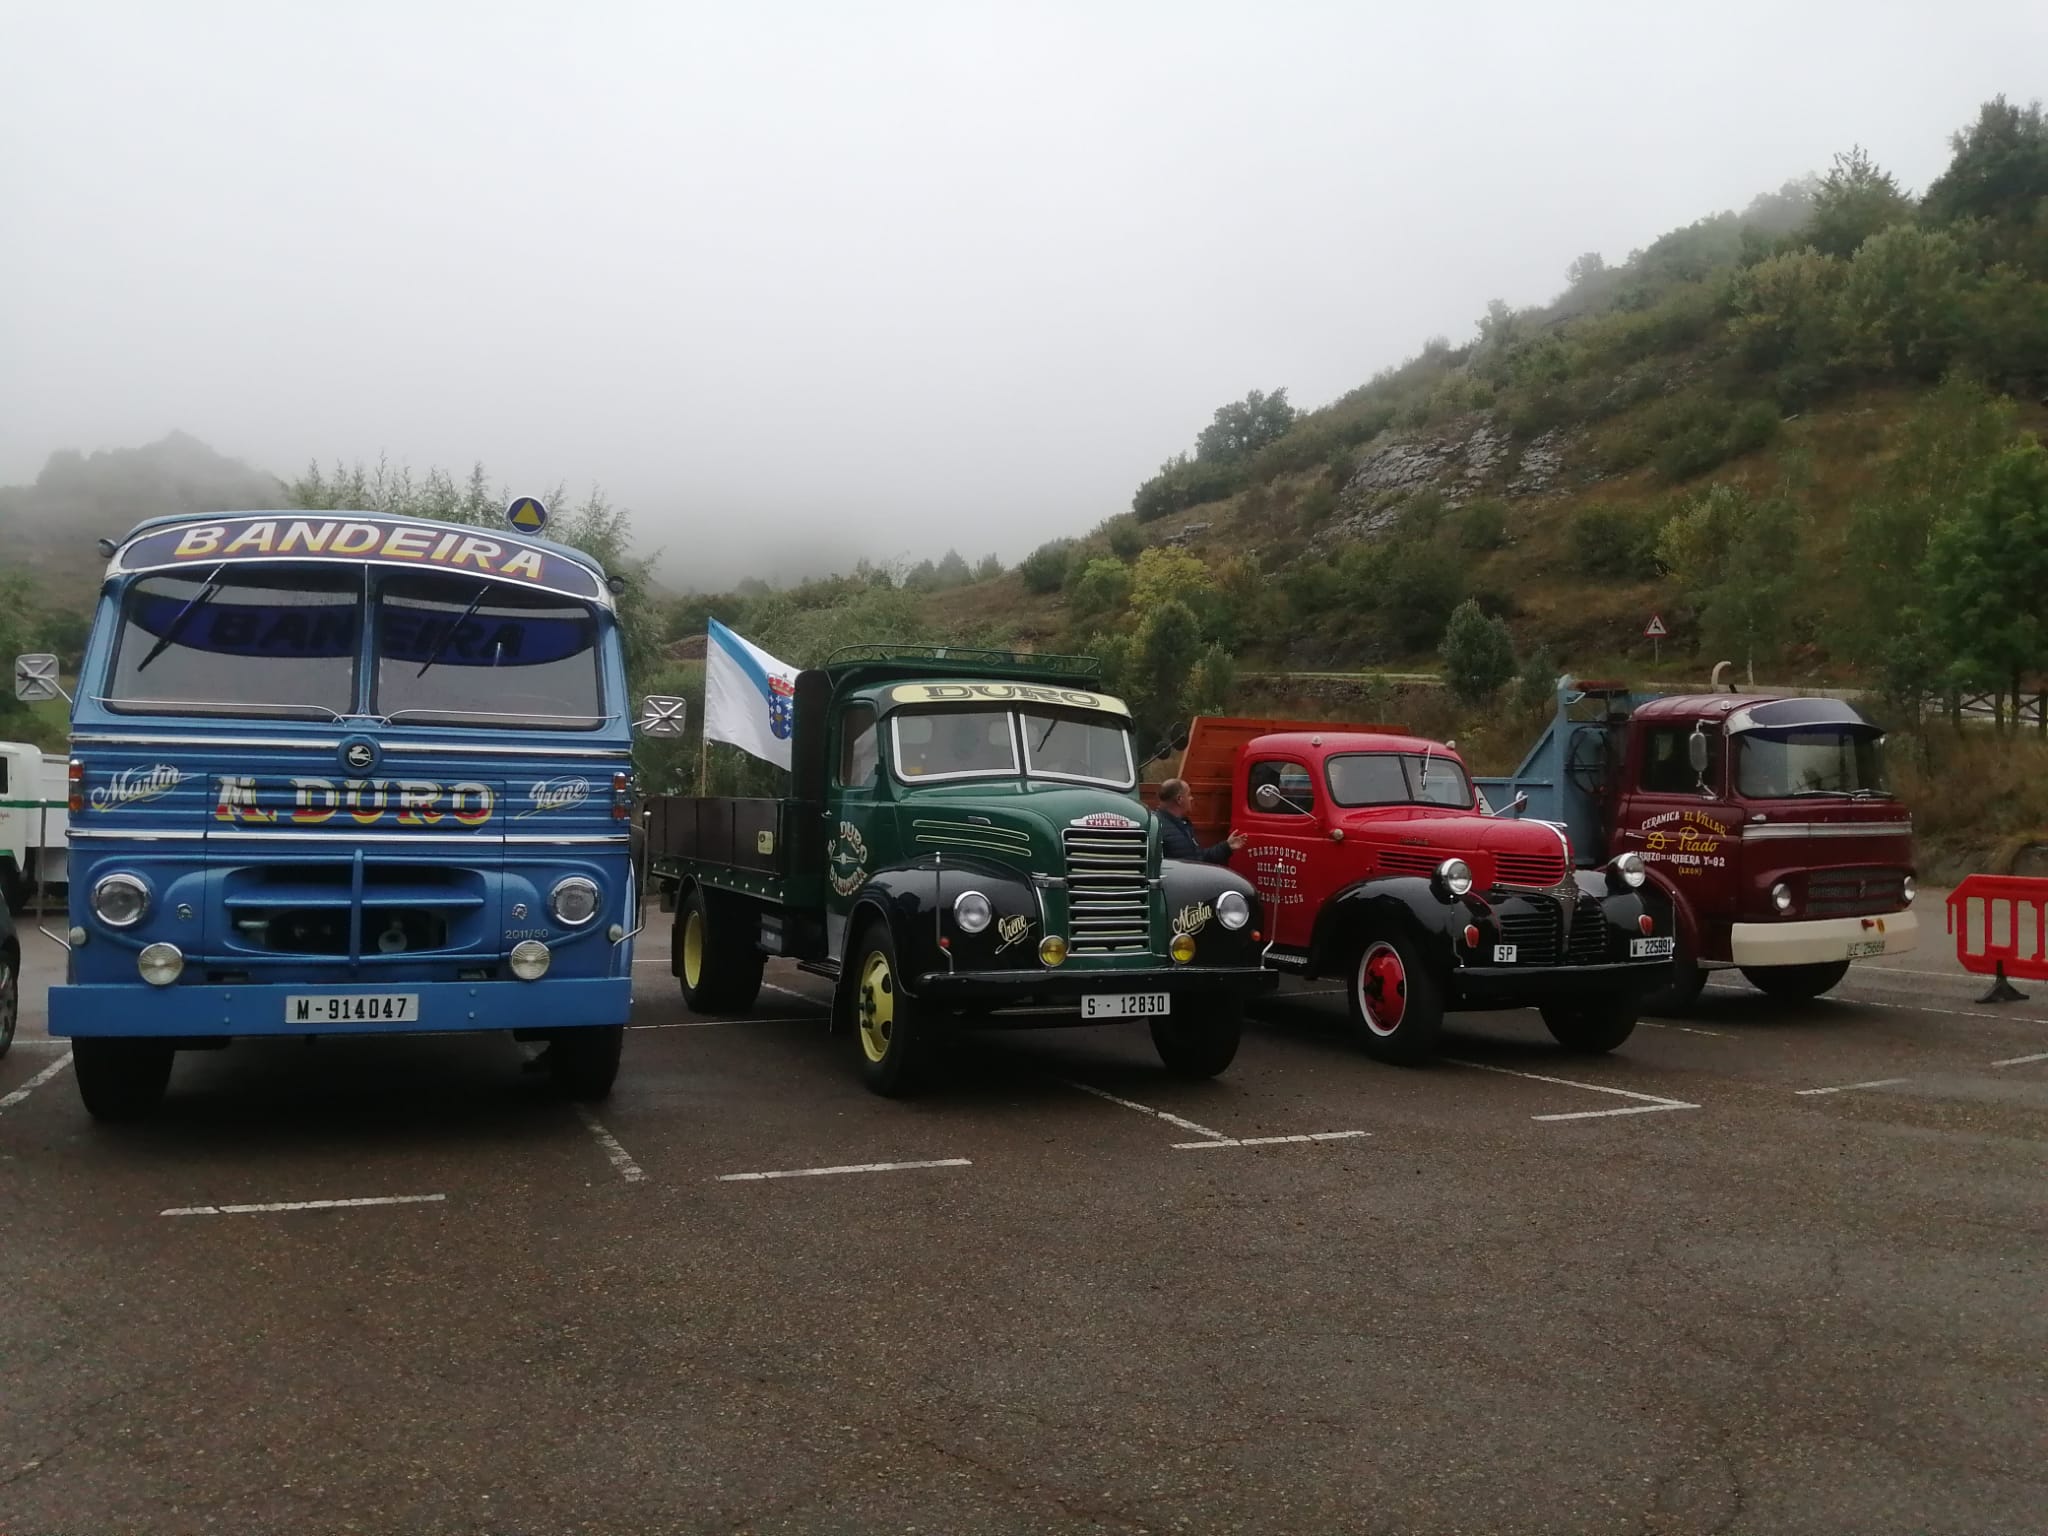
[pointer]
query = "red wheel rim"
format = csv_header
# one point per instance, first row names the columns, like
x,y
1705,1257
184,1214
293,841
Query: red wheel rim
x,y
1382,988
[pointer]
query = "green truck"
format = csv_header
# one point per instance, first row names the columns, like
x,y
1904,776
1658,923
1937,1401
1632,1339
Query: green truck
x,y
963,845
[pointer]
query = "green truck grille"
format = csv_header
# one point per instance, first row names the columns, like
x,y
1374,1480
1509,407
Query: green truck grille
x,y
1109,899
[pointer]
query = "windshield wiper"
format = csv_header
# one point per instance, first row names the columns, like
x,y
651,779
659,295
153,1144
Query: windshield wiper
x,y
449,634
176,627
1847,794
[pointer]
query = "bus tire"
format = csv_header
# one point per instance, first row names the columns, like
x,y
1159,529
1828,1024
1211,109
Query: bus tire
x,y
1397,1007
1591,1029
583,1063
1202,1045
1796,983
10,995
720,968
13,888
121,1080
891,1032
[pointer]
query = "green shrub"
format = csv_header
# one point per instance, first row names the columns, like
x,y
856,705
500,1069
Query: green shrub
x,y
1183,482
1125,537
1045,568
1478,655
1483,524
1615,543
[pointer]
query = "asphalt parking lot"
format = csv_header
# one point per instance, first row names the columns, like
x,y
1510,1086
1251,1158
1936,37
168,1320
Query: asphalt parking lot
x,y
1767,1269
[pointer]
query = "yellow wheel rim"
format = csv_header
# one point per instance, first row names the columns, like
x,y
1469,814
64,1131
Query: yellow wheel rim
x,y
693,949
875,1004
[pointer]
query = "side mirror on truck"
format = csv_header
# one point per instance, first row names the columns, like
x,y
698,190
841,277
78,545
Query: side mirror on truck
x,y
662,715
1697,754
35,679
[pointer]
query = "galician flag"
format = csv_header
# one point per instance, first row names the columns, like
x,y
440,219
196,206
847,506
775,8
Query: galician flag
x,y
748,696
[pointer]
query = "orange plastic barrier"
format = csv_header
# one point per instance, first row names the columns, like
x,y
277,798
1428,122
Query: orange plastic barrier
x,y
2015,905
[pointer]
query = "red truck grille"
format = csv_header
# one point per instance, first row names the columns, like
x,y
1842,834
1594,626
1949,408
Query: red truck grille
x,y
1534,871
1409,861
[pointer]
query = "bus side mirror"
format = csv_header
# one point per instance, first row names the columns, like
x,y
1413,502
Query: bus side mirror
x,y
662,715
1696,750
35,679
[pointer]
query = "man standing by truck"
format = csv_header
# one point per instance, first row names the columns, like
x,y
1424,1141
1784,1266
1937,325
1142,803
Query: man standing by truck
x,y
1177,838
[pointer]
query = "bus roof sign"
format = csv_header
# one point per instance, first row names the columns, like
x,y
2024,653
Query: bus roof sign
x,y
402,542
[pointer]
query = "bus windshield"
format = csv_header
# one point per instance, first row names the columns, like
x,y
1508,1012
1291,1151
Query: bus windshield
x,y
458,651
277,643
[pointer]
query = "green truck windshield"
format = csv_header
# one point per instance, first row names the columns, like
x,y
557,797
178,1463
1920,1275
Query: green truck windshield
x,y
937,745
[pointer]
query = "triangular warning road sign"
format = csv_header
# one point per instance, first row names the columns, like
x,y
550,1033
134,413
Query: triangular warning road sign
x,y
1655,629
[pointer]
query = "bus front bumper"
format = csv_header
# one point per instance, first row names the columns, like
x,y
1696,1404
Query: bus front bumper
x,y
224,1011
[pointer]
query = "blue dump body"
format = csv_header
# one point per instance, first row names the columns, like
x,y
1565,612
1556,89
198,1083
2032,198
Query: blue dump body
x,y
1561,773
329,769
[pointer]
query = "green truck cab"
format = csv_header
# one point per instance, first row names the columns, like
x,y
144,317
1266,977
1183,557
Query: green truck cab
x,y
963,845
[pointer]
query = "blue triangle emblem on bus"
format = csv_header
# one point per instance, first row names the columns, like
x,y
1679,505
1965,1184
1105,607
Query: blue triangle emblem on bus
x,y
528,514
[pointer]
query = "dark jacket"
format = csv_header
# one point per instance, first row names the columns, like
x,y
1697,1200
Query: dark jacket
x,y
1177,840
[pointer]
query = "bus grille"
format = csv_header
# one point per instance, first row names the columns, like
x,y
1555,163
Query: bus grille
x,y
1855,892
1107,893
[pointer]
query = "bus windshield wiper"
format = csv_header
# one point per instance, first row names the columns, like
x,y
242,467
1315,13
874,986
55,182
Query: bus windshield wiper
x,y
449,634
176,627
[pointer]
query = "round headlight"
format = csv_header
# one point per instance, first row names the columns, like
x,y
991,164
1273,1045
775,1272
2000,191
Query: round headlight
x,y
1455,876
1629,866
1182,948
1781,896
160,964
530,959
1052,949
120,900
1232,910
573,901
972,912
1908,890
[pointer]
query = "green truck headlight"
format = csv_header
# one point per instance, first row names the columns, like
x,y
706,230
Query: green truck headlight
x,y
1232,910
972,912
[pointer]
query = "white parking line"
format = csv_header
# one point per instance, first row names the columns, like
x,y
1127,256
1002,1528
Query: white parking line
x,y
814,1173
1147,1109
1267,1141
36,1082
629,1170
299,1205
1687,1029
1875,1082
1651,1102
1869,1002
802,997
2020,1061
42,1045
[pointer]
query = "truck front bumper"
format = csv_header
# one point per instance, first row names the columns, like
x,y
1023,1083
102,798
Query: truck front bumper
x,y
220,1012
1065,989
1526,986
1823,940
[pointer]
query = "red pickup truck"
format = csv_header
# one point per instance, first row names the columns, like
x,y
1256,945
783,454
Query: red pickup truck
x,y
1376,863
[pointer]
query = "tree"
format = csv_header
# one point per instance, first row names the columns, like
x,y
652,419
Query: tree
x,y
1585,269
1165,652
1854,201
1045,568
1987,573
1102,591
1900,307
1241,428
1164,574
1786,310
1419,584
1737,559
988,568
1478,654
2000,169
952,571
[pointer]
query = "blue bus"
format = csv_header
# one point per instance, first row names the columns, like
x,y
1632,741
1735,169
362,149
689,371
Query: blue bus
x,y
343,774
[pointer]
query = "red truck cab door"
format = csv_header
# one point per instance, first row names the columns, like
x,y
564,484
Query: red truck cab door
x,y
1282,844
1691,837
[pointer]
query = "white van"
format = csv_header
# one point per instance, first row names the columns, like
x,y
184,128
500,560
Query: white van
x,y
34,792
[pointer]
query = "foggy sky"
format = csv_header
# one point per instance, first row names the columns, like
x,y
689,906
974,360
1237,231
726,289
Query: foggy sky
x,y
802,282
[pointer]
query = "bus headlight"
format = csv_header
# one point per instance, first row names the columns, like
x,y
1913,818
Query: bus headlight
x,y
1455,876
1781,896
119,901
573,901
160,964
1628,868
1232,910
1908,890
530,959
972,912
